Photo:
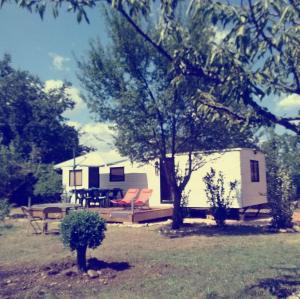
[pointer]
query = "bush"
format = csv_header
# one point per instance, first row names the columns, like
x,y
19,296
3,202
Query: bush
x,y
4,208
216,198
82,230
48,186
281,195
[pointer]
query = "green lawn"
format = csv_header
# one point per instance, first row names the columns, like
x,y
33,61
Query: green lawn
x,y
141,263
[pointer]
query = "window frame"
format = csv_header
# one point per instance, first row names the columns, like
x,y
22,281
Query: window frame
x,y
254,171
116,178
74,173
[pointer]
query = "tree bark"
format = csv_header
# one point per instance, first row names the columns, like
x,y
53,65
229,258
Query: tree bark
x,y
81,259
177,211
176,193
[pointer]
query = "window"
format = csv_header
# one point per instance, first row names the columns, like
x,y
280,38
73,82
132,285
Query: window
x,y
75,178
116,174
254,166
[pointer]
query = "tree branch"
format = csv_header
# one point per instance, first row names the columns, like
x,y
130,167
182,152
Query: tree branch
x,y
191,70
283,121
259,29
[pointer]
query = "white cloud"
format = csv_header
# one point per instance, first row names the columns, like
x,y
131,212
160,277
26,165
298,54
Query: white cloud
x,y
72,91
77,125
59,62
53,84
290,102
96,135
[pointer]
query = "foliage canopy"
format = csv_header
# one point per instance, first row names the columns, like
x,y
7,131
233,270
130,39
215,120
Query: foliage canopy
x,y
82,230
258,55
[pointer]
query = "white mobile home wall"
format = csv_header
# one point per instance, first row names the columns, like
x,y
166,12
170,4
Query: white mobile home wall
x,y
234,164
136,176
66,178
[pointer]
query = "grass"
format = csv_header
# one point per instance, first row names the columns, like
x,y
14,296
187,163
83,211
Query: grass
x,y
230,264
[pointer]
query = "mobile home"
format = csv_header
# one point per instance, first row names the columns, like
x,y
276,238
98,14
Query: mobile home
x,y
245,166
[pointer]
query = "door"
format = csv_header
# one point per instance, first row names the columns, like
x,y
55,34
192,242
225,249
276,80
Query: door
x,y
165,190
94,177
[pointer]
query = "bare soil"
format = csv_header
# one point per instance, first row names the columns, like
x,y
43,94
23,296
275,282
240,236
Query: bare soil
x,y
60,274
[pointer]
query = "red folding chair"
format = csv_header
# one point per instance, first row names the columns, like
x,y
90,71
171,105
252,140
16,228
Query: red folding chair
x,y
130,195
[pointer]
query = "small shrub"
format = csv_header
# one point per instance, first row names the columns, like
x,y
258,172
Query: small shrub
x,y
82,230
216,198
281,199
4,208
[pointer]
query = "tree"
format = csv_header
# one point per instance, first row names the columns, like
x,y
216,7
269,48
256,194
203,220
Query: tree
x,y
33,131
32,119
218,197
14,174
48,187
82,230
259,56
129,85
280,183
285,148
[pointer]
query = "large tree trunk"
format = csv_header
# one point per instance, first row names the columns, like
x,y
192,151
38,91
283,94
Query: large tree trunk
x,y
177,211
81,259
176,193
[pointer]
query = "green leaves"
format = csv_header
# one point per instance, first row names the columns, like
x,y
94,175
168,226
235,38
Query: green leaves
x,y
219,197
83,229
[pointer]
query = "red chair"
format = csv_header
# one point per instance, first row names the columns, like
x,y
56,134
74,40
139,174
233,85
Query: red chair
x,y
143,198
128,198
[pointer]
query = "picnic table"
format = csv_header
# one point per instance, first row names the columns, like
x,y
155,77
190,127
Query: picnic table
x,y
97,195
37,210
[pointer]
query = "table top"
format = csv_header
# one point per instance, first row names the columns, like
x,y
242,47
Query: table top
x,y
62,205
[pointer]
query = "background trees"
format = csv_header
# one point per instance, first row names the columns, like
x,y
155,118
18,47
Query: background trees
x,y
33,131
154,115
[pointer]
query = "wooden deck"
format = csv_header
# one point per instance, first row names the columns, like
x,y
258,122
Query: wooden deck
x,y
124,215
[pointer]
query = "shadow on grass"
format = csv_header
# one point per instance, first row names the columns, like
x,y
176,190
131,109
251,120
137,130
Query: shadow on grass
x,y
95,264
212,230
19,215
281,286
5,227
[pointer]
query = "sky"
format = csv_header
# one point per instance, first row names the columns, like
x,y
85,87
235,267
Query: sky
x,y
46,48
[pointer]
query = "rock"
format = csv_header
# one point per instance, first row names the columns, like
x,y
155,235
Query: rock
x,y
70,272
290,230
53,272
53,284
8,281
104,281
282,230
92,273
99,272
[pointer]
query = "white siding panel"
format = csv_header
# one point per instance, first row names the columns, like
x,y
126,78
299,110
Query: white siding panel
x,y
235,165
136,176
65,178
253,192
227,162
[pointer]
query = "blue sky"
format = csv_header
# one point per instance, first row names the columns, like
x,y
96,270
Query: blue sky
x,y
46,48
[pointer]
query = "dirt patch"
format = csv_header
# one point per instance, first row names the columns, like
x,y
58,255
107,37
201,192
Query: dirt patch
x,y
61,275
